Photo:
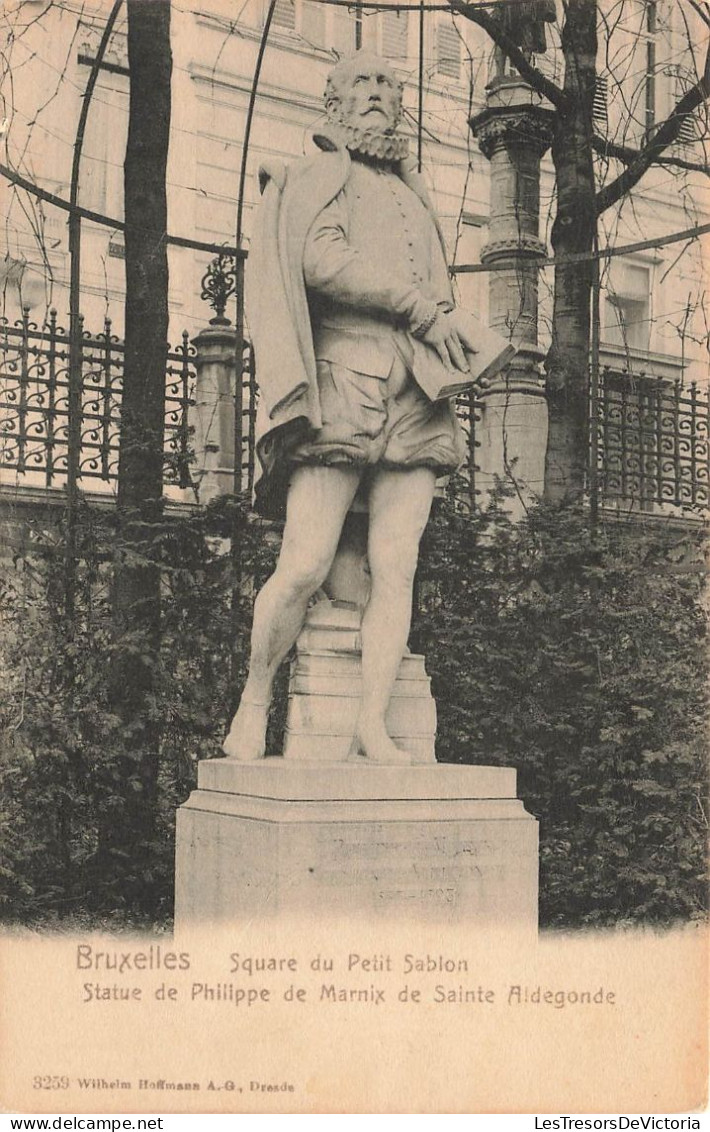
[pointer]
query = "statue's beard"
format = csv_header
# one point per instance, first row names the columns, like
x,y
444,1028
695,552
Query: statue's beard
x,y
378,145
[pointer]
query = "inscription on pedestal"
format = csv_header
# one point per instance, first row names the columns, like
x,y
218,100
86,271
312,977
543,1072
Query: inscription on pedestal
x,y
390,852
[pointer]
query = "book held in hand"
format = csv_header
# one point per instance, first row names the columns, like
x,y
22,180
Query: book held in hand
x,y
493,352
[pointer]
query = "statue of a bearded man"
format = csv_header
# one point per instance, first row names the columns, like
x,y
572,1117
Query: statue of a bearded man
x,y
347,278
524,23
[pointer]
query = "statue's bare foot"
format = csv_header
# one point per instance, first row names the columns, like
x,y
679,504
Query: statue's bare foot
x,y
246,740
372,744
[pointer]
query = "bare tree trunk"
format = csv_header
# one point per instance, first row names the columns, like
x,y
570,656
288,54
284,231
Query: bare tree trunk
x,y
140,473
567,364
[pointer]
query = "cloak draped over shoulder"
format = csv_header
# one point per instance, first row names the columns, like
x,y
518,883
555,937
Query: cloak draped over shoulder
x,y
277,304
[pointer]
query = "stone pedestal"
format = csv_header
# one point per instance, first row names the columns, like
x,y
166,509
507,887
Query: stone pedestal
x,y
325,689
439,843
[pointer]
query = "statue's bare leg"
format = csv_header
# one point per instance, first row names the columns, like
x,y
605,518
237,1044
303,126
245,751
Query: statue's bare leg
x,y
399,504
318,501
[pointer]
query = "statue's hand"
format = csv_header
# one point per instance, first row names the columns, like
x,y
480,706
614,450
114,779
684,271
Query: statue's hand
x,y
450,340
463,329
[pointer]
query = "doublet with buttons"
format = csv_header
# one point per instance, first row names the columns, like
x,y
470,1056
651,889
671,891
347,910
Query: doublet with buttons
x,y
373,266
345,268
372,257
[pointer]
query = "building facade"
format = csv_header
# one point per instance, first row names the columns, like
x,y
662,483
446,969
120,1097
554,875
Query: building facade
x,y
652,322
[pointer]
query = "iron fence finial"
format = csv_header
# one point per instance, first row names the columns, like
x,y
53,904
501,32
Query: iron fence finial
x,y
219,283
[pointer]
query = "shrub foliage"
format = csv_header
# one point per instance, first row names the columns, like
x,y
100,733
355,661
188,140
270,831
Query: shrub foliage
x,y
575,654
578,656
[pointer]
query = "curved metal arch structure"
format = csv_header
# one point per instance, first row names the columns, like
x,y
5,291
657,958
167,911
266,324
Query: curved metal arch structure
x,y
74,377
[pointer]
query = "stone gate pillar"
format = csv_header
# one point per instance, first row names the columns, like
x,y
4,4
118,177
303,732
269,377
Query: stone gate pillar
x,y
513,132
213,412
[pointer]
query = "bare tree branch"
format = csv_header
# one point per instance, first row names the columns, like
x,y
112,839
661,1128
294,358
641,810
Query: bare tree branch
x,y
704,13
664,137
607,148
534,77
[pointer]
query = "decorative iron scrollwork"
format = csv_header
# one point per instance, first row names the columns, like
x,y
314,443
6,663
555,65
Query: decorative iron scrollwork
x,y
652,442
219,283
34,402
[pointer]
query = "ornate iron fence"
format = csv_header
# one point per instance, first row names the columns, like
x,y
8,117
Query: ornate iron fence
x,y
650,437
468,411
652,443
34,402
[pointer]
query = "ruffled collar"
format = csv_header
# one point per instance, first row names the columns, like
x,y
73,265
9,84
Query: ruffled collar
x,y
371,145
376,146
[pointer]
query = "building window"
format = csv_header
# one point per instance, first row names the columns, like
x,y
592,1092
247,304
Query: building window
x,y
101,178
448,50
94,166
650,76
304,17
627,321
646,87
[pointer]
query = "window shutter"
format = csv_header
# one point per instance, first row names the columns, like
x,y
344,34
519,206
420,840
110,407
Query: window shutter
x,y
688,131
693,127
600,106
394,34
448,50
285,14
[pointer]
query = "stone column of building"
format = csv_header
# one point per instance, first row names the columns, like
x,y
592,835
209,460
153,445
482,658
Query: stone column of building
x,y
213,413
513,132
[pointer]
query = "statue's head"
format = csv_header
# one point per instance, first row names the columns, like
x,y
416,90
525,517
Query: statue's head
x,y
364,92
